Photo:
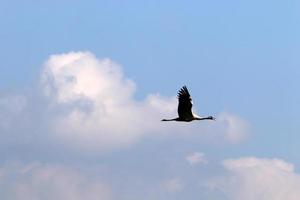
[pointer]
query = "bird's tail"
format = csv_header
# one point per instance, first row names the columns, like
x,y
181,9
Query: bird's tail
x,y
167,120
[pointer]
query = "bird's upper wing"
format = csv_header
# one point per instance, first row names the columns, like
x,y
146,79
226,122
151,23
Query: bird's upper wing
x,y
185,103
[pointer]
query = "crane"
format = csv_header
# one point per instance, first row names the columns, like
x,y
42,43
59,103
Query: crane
x,y
184,110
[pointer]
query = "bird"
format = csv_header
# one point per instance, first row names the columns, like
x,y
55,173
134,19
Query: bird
x,y
184,110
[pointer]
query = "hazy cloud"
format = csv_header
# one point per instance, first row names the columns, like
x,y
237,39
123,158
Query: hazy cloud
x,y
39,181
254,178
235,128
11,106
173,185
196,158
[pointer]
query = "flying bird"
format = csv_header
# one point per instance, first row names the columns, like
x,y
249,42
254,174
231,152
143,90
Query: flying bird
x,y
184,110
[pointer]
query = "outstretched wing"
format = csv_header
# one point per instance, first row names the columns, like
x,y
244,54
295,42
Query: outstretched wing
x,y
185,104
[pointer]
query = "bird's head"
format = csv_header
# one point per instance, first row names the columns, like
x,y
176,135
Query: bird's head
x,y
211,118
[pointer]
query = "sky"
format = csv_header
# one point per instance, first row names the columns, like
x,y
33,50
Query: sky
x,y
84,85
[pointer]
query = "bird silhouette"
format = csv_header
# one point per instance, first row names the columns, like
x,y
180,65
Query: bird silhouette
x,y
184,110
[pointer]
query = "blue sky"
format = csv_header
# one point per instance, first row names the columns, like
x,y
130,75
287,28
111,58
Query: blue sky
x,y
238,58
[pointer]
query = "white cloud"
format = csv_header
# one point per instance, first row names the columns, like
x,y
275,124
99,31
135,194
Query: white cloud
x,y
38,181
196,158
254,178
88,105
102,111
73,76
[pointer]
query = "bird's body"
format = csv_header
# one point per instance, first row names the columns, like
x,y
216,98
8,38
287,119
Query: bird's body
x,y
184,110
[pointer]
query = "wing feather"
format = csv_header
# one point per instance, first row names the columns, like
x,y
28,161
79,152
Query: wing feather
x,y
184,104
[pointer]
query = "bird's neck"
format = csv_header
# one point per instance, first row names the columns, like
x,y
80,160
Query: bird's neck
x,y
202,118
